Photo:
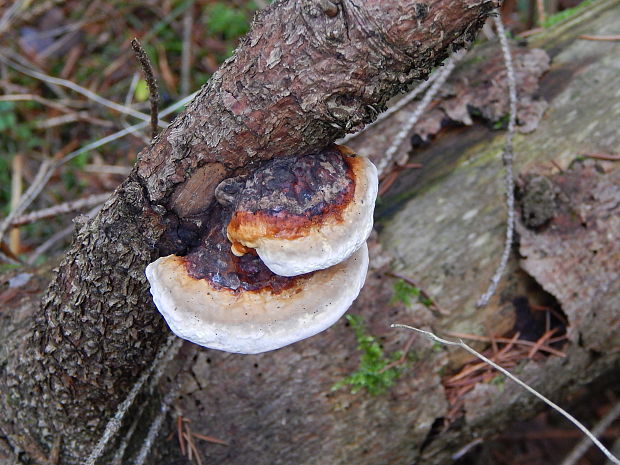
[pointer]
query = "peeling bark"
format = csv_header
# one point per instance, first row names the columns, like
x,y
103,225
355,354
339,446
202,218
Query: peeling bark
x,y
307,72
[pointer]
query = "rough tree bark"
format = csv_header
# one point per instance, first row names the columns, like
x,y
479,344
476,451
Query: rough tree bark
x,y
307,72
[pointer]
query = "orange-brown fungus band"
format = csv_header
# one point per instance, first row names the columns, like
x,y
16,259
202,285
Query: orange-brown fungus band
x,y
289,196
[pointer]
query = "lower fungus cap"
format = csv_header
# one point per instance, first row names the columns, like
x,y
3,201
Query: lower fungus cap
x,y
306,214
259,320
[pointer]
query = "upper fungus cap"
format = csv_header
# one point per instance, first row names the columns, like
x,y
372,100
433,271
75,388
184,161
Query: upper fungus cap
x,y
310,217
253,321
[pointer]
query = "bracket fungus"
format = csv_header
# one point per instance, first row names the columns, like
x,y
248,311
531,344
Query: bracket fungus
x,y
308,217
304,214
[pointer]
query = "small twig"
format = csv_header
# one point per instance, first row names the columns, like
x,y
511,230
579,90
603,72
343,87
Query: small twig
x,y
469,369
60,209
180,435
504,340
507,159
403,357
600,38
119,453
107,169
79,89
466,448
155,427
210,439
186,54
39,182
192,448
167,351
509,375
37,98
602,156
400,104
71,118
16,191
540,8
5,21
582,447
530,32
123,132
135,78
442,75
544,338
147,69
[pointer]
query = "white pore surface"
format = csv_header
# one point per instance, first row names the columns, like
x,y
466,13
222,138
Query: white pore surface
x,y
333,241
254,322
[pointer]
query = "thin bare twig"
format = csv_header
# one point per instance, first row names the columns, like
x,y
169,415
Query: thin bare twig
x,y
147,69
123,132
507,159
210,439
191,444
504,340
155,427
37,98
443,74
165,354
71,118
393,109
603,156
40,180
5,21
540,8
186,54
509,375
124,443
180,435
80,90
582,447
600,38
16,192
60,209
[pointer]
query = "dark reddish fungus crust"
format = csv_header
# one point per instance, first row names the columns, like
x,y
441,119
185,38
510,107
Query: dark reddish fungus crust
x,y
213,261
285,197
288,196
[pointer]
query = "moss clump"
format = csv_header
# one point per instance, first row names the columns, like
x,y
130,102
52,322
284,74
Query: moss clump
x,y
372,374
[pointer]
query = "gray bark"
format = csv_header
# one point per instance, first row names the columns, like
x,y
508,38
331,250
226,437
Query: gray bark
x,y
301,78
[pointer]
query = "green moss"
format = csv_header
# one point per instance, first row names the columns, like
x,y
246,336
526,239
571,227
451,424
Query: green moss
x,y
372,374
4,267
405,292
499,380
562,15
501,123
227,21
